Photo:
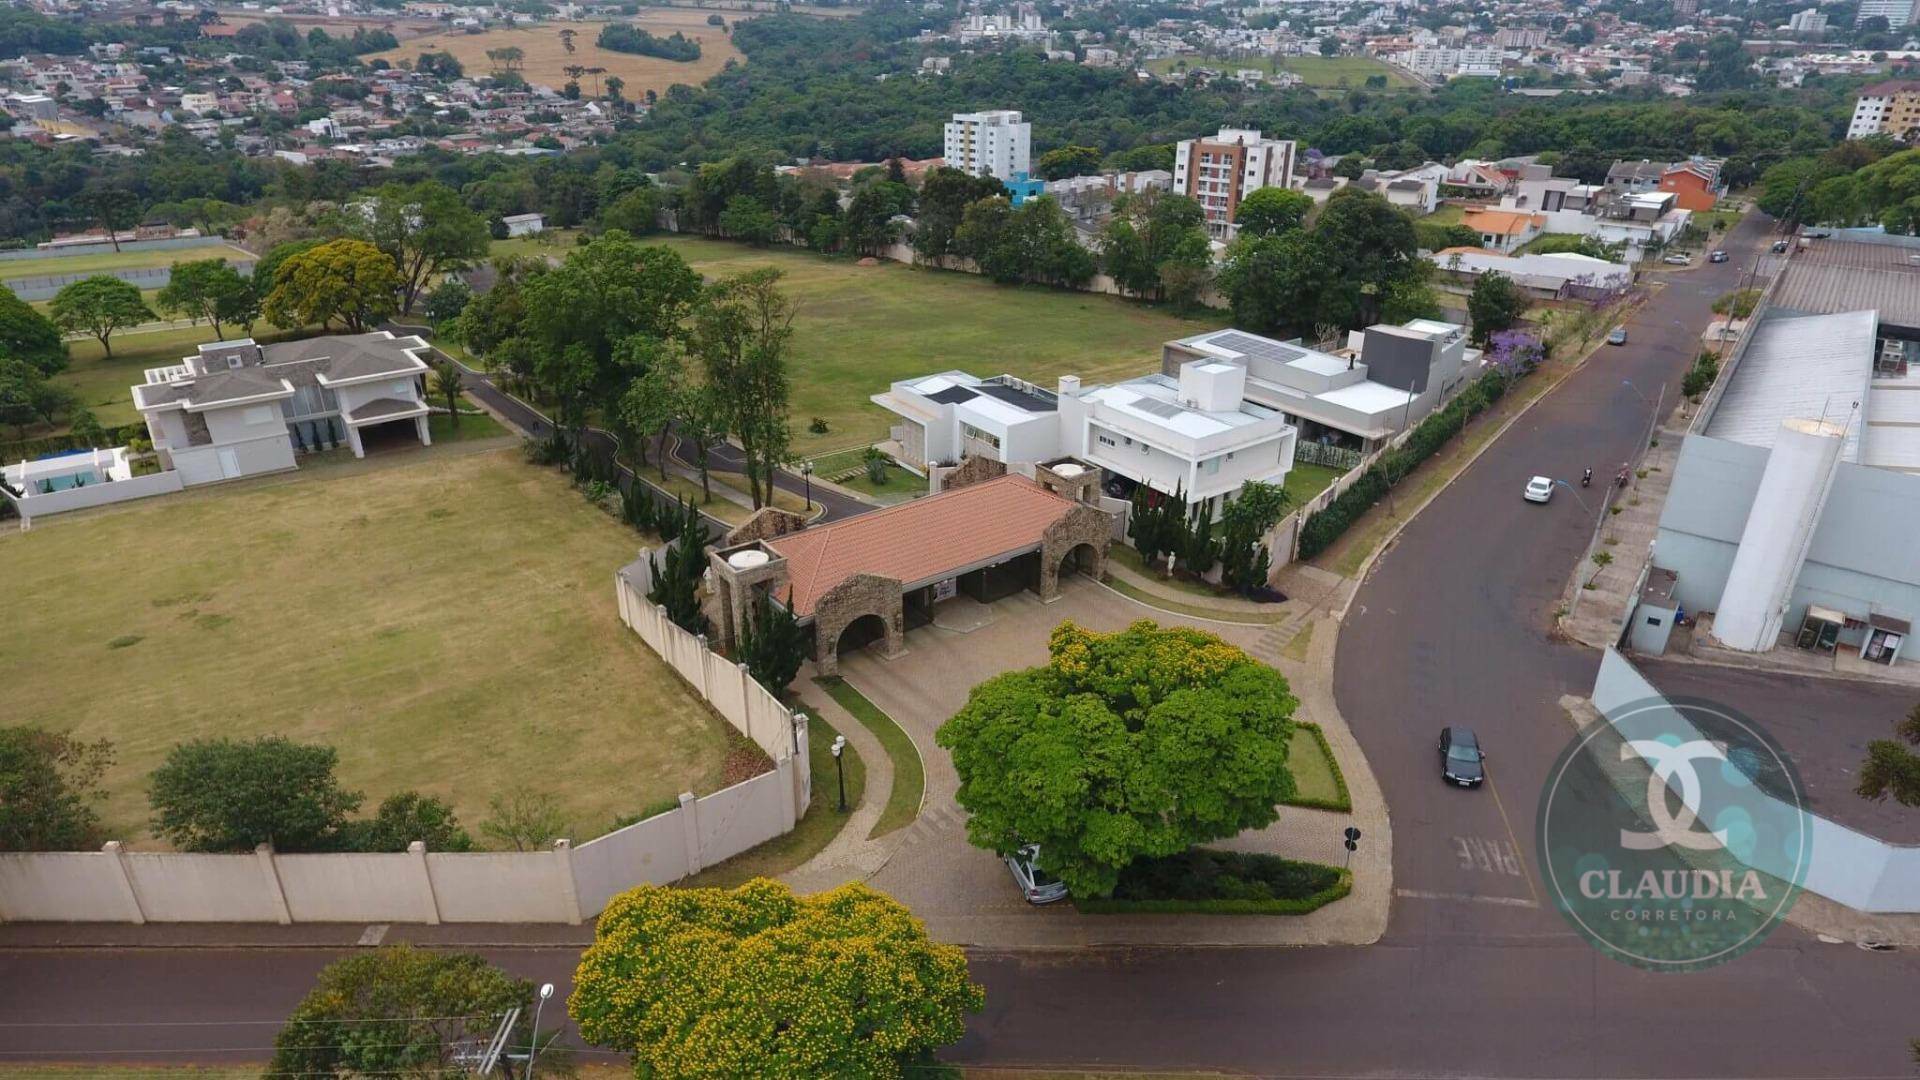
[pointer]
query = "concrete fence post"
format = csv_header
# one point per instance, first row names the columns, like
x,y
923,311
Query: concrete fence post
x,y
690,831
569,893
429,903
747,699
135,913
270,877
620,599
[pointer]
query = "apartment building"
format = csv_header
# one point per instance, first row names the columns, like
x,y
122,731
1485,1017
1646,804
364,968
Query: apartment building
x,y
1220,171
1898,13
997,143
1887,108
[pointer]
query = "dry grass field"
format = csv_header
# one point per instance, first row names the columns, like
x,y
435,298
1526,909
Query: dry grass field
x,y
547,58
445,619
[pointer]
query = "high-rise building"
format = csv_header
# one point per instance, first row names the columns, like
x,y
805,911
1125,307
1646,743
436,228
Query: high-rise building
x,y
1809,21
996,143
1898,13
1887,108
1220,171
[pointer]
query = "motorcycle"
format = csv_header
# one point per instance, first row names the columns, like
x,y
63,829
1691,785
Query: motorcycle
x,y
1586,478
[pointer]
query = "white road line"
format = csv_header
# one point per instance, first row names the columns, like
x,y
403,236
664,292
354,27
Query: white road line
x,y
1508,901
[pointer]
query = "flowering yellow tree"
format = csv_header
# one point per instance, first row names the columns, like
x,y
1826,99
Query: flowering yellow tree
x,y
757,981
1139,743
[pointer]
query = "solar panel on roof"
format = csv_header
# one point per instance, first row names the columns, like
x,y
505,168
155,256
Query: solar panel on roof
x,y
1164,409
953,395
1259,348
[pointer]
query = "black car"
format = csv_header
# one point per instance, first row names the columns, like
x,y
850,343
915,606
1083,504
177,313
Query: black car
x,y
1779,247
1461,757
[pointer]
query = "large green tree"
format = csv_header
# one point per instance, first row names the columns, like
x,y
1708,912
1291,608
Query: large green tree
x,y
576,314
228,795
49,781
1139,743
30,337
1495,304
742,333
346,281
1273,283
1151,231
756,981
1373,254
1068,161
402,1012
211,291
99,305
945,196
1271,210
426,229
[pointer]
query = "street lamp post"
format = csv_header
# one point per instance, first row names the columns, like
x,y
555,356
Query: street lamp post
x,y
806,473
840,767
533,1040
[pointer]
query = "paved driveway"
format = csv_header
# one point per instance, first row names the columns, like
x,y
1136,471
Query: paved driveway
x,y
965,894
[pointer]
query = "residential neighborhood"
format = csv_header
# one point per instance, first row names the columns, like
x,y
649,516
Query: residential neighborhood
x,y
960,537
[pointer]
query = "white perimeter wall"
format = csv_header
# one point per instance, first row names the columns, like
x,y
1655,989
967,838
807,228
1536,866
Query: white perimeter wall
x,y
1850,867
559,884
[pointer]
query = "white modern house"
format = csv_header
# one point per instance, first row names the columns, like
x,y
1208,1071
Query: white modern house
x,y
1385,379
996,143
238,408
524,224
1192,431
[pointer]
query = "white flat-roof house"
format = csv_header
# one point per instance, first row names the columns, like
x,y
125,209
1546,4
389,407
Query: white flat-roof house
x,y
1191,431
238,408
1387,377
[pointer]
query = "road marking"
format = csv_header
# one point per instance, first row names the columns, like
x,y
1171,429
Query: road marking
x,y
1465,898
1511,838
373,935
1488,856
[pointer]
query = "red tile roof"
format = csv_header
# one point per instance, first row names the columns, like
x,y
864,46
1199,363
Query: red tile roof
x,y
922,539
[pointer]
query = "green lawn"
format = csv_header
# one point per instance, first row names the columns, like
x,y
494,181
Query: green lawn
x,y
1305,480
1316,776
442,429
815,829
96,262
909,775
1318,72
444,619
1446,214
859,328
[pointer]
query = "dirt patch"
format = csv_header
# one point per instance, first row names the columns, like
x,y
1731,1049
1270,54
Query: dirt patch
x,y
547,57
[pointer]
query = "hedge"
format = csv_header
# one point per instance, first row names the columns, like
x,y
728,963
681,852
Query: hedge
x,y
1204,881
1323,528
1343,799
30,449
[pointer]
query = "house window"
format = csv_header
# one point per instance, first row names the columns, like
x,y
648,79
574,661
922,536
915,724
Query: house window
x,y
1106,440
977,435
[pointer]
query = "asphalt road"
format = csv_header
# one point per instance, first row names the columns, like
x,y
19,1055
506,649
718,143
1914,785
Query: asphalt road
x,y
1476,977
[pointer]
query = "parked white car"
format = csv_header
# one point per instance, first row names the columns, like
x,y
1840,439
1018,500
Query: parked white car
x,y
1038,886
1539,489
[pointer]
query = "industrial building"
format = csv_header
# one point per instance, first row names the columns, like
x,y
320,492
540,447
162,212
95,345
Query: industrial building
x,y
1796,494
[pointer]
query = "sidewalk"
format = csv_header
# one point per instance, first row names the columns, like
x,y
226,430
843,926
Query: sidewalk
x,y
849,856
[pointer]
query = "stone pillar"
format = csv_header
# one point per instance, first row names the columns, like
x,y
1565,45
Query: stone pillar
x,y
563,870
135,914
429,903
690,831
896,634
1049,578
270,878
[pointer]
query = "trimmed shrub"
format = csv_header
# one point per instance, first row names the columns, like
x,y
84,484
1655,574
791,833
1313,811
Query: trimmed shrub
x,y
1203,880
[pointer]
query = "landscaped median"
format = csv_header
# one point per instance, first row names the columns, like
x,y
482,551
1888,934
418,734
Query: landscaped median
x,y
1204,881
909,776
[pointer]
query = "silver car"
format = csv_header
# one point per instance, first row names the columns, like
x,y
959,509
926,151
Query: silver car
x,y
1038,886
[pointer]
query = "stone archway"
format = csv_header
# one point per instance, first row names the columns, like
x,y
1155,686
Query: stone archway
x,y
1077,542
862,596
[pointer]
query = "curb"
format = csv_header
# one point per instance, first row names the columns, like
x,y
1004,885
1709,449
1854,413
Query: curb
x,y
1360,575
